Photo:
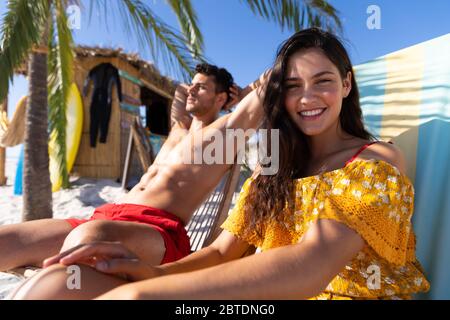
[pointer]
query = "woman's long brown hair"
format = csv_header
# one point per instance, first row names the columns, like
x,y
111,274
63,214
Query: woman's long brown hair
x,y
270,195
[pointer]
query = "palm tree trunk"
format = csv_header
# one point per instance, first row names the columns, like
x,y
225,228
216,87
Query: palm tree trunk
x,y
37,192
3,151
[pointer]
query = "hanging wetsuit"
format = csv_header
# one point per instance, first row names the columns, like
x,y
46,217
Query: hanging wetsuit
x,y
103,77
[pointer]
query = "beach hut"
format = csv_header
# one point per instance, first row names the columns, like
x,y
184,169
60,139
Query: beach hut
x,y
145,94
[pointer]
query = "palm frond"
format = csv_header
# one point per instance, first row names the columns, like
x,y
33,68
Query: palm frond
x,y
297,14
60,66
164,41
188,21
22,26
153,34
327,17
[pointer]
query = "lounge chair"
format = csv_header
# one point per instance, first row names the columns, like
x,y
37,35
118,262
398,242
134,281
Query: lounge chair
x,y
205,223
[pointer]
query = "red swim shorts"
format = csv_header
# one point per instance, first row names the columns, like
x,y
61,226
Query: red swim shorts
x,y
168,225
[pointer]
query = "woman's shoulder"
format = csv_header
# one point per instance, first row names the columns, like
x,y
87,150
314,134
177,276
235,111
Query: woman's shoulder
x,y
387,152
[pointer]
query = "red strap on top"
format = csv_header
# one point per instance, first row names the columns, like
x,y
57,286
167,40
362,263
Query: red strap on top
x,y
364,147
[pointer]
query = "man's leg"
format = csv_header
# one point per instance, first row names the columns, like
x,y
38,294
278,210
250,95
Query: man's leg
x,y
58,283
29,243
143,240
51,283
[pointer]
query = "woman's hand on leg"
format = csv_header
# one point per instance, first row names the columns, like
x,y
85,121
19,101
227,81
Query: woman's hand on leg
x,y
107,257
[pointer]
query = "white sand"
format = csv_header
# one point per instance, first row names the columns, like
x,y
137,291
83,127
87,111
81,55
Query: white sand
x,y
78,202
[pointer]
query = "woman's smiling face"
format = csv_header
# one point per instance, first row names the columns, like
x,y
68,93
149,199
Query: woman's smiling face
x,y
314,90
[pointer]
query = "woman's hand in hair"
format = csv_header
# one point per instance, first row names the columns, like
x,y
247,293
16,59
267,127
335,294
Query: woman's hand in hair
x,y
260,85
236,95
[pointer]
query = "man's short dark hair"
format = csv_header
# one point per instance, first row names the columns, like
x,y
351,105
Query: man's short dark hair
x,y
223,79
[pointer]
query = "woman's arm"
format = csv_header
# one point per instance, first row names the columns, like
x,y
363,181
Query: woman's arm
x,y
255,84
225,248
296,271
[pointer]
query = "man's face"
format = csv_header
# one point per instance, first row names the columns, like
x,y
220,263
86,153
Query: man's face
x,y
202,96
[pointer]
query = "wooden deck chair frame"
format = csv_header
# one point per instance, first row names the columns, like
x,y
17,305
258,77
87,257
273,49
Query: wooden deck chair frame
x,y
201,239
204,225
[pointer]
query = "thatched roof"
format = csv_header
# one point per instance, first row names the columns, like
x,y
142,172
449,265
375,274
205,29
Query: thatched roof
x,y
147,70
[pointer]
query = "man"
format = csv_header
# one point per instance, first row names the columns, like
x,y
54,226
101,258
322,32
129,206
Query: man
x,y
150,219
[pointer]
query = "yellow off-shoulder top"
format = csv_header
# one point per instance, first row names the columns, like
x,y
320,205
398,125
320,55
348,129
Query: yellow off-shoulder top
x,y
370,196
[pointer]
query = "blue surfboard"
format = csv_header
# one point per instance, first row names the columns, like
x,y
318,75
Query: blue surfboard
x,y
19,175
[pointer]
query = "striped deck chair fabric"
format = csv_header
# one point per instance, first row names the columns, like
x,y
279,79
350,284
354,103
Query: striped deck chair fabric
x,y
205,224
405,98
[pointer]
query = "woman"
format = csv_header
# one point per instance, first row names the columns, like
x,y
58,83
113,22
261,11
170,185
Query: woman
x,y
333,223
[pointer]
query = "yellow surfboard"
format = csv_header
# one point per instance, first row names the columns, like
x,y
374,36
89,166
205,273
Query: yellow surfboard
x,y
74,115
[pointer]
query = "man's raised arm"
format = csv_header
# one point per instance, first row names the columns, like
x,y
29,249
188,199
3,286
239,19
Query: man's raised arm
x,y
179,117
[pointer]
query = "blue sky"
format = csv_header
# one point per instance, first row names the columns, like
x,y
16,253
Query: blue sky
x,y
246,44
